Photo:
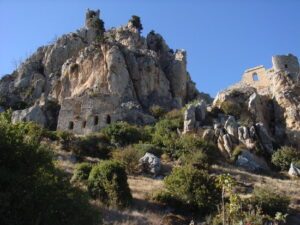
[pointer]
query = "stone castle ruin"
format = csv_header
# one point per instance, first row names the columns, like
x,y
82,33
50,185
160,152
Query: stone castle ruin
x,y
260,78
92,77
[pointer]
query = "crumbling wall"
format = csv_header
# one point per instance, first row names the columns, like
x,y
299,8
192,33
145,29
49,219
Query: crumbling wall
x,y
257,77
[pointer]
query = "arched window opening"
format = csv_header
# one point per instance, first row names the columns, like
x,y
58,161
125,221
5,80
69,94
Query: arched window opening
x,y
71,125
286,66
108,119
83,124
96,120
255,77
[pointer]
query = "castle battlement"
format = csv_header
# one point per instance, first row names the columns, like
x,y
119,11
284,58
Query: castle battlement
x,y
260,77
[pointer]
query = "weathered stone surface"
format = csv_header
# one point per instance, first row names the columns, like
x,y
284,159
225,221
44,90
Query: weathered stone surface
x,y
150,164
264,138
194,116
294,171
105,69
231,126
251,162
209,135
245,137
228,145
34,113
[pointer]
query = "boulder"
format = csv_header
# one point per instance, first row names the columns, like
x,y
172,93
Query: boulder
x,y
194,116
251,162
150,164
231,127
228,145
34,113
209,135
294,171
264,137
245,138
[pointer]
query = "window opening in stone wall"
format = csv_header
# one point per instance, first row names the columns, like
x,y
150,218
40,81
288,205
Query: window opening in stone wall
x,y
286,66
108,119
96,120
255,77
83,124
71,125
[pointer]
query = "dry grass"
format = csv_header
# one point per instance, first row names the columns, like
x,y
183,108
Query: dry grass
x,y
143,211
280,183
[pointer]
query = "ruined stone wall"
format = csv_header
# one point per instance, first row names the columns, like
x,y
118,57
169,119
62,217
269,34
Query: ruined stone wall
x,y
286,63
258,77
83,115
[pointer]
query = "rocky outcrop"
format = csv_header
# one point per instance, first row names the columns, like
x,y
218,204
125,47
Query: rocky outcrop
x,y
251,162
34,113
104,68
150,164
286,98
194,115
294,171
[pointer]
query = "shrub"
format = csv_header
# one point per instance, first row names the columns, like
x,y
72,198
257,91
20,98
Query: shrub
x,y
190,144
108,183
231,108
157,111
237,151
94,145
269,201
165,133
129,157
32,190
283,157
150,148
193,187
197,159
136,21
81,172
122,133
174,114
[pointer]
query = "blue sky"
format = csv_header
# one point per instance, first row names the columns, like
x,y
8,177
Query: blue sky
x,y
222,37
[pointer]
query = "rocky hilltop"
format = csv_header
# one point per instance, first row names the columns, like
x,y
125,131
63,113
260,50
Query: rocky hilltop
x,y
92,77
255,116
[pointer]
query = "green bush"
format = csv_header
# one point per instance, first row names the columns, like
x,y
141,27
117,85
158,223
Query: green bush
x,y
122,133
108,183
150,148
197,159
129,157
93,145
136,21
32,190
231,108
157,111
283,157
81,172
194,188
165,133
269,201
190,144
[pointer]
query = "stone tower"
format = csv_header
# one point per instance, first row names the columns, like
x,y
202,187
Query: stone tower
x,y
91,17
288,63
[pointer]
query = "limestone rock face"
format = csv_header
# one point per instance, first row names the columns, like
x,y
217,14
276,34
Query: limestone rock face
x,y
294,171
150,163
193,116
286,94
91,73
251,162
34,113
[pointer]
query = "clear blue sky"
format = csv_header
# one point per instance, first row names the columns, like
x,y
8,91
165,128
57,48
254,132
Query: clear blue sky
x,y
222,37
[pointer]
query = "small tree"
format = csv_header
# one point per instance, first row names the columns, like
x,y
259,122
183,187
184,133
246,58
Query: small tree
x,y
193,187
108,183
136,22
283,157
